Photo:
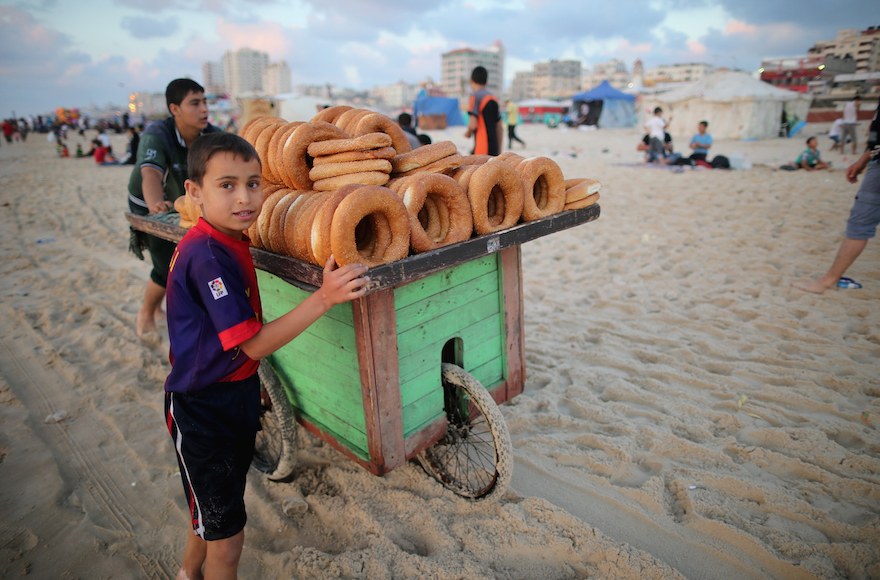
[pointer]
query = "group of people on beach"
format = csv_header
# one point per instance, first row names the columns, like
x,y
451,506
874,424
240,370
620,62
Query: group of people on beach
x,y
657,143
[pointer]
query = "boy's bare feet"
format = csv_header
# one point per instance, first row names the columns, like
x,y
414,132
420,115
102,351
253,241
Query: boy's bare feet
x,y
814,286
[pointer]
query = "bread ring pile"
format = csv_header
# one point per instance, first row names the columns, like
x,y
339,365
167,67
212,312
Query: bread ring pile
x,y
323,190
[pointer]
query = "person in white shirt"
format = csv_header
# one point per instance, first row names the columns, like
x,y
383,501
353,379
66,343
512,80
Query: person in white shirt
x,y
834,134
655,127
850,120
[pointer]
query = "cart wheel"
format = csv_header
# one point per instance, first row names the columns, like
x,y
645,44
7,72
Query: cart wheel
x,y
273,452
474,459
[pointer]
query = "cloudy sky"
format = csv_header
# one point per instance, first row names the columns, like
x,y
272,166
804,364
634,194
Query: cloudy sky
x,y
73,53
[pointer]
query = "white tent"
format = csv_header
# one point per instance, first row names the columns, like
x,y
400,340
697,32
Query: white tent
x,y
736,105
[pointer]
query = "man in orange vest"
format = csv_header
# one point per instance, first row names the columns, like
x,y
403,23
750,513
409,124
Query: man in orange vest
x,y
485,119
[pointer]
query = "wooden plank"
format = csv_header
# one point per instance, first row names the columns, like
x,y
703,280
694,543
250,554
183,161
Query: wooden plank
x,y
442,281
514,325
430,308
489,373
403,271
425,410
424,437
308,395
375,327
449,324
278,297
427,363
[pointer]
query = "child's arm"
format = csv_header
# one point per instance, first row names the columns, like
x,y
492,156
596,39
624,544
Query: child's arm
x,y
340,285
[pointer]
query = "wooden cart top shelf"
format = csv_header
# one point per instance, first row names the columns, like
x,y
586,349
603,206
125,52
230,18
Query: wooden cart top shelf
x,y
309,276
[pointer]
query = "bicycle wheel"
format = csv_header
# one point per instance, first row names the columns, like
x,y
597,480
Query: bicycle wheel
x,y
273,452
474,458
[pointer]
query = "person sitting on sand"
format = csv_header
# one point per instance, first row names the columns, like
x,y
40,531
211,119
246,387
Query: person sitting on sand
x,y
810,158
215,323
863,218
701,142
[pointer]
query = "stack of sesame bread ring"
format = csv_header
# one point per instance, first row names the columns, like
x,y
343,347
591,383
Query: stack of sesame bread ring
x,y
347,184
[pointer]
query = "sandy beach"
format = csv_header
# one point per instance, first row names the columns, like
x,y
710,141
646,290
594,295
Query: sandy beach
x,y
686,413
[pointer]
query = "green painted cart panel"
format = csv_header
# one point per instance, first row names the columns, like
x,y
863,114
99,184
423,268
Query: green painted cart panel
x,y
319,368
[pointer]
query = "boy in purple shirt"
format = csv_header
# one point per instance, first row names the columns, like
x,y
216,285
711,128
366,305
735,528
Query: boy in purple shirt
x,y
212,398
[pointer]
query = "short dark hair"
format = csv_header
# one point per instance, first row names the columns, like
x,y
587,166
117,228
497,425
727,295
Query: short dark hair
x,y
704,123
178,89
404,119
857,97
810,139
480,75
206,146
657,110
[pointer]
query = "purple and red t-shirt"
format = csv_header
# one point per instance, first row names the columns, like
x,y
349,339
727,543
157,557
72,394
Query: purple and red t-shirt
x,y
213,306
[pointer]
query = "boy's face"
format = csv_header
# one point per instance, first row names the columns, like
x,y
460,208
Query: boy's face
x,y
192,112
812,143
702,129
231,193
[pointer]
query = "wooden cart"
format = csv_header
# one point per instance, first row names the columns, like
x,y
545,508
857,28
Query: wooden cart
x,y
398,374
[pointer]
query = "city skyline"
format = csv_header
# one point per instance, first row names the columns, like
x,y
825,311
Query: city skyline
x,y
52,58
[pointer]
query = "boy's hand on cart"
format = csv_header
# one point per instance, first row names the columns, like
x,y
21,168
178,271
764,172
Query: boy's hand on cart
x,y
343,283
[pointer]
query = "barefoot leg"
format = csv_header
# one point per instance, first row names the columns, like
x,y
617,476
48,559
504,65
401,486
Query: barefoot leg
x,y
846,255
146,318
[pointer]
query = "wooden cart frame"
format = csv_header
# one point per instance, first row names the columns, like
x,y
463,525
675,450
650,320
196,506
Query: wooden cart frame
x,y
366,377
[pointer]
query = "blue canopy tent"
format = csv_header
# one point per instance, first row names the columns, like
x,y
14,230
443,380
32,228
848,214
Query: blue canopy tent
x,y
605,107
438,105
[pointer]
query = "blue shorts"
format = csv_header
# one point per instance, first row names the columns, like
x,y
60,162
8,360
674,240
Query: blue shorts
x,y
834,138
213,432
865,213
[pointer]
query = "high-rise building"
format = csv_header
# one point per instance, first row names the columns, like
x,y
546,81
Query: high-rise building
x,y
276,79
861,46
557,78
395,96
213,78
523,86
457,66
243,70
614,71
678,73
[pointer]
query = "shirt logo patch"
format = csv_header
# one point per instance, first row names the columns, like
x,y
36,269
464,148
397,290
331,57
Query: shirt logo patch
x,y
150,154
218,288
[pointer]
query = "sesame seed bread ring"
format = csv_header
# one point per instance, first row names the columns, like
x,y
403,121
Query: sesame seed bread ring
x,y
543,188
292,233
274,151
362,178
292,213
511,158
463,175
423,156
330,114
486,178
278,222
195,211
453,222
345,118
362,143
270,189
439,166
357,206
475,159
377,122
302,236
346,156
398,184
495,207
335,169
262,146
296,160
320,241
265,217
260,121
589,200
581,190
180,207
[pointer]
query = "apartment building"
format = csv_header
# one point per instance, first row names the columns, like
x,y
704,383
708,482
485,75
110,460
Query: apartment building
x,y
456,67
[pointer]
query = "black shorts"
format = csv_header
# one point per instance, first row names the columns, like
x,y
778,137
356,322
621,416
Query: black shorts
x,y
213,432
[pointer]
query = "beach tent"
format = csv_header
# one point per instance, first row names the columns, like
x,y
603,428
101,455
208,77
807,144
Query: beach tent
x,y
426,105
736,105
605,107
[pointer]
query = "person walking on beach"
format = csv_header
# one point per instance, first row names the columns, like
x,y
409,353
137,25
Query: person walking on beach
x,y
158,176
215,322
484,123
863,218
850,121
512,122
